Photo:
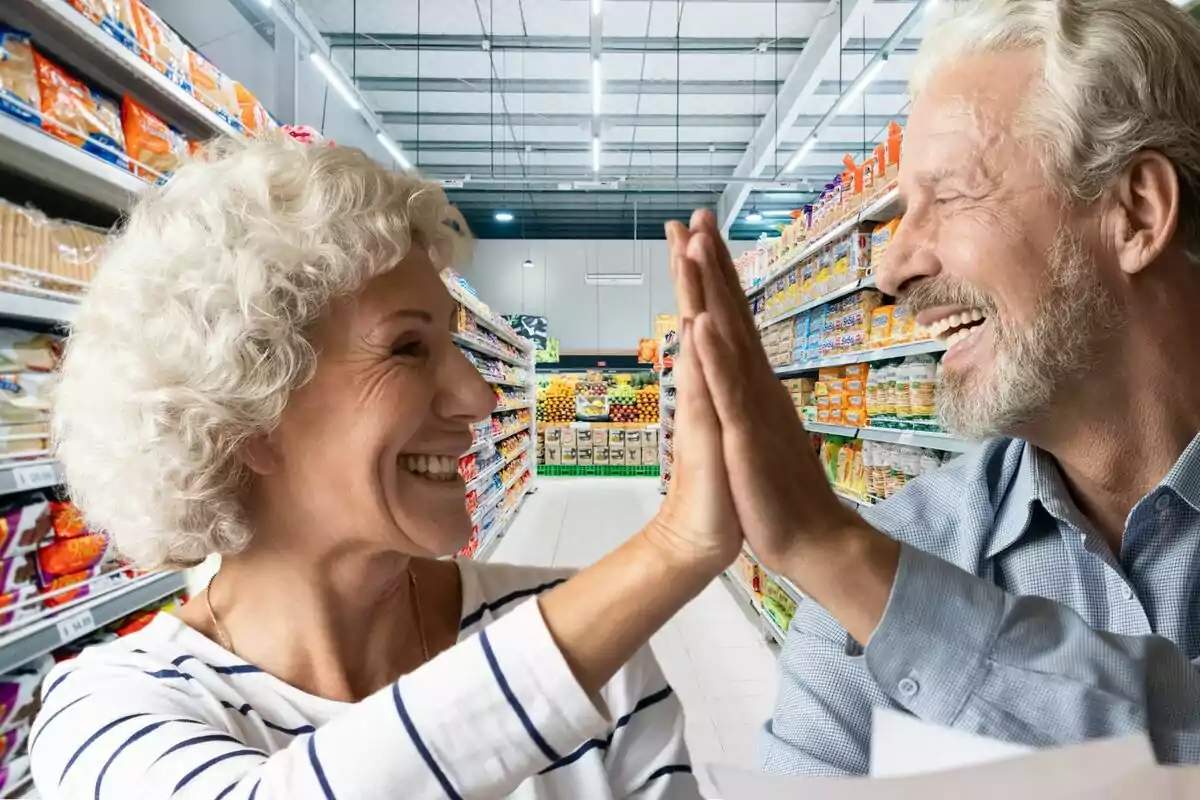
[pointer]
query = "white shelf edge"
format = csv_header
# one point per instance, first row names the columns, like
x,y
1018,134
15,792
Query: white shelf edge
x,y
864,356
933,440
37,309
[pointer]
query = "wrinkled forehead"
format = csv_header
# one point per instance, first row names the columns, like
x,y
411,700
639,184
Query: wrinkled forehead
x,y
970,110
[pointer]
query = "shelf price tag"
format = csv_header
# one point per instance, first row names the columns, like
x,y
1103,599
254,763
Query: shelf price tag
x,y
76,625
35,477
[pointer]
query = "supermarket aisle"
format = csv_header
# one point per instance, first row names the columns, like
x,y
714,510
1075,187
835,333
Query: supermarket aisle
x,y
712,653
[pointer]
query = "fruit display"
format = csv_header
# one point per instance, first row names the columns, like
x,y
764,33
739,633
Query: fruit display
x,y
622,403
556,402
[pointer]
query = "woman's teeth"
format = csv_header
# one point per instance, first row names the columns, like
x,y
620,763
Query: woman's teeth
x,y
434,468
957,327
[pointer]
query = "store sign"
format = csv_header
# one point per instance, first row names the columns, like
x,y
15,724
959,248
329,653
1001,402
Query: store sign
x,y
527,326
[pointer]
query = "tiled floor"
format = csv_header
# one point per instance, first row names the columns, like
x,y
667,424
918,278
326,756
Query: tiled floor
x,y
712,652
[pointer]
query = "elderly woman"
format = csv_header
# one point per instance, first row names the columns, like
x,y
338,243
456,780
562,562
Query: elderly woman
x,y
264,369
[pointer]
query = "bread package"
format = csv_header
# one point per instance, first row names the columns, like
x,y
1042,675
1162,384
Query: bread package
x,y
150,142
161,47
214,89
78,114
19,96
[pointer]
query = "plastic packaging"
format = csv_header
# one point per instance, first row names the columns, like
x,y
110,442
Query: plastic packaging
x,y
67,556
254,117
922,386
115,17
79,115
214,89
53,248
19,94
161,47
151,142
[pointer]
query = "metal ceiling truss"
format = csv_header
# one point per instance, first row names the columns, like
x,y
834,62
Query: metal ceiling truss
x,y
624,120
385,83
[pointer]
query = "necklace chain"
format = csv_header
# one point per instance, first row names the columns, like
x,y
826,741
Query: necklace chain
x,y
223,635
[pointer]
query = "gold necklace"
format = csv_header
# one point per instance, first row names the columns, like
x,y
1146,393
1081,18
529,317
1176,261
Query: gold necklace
x,y
223,637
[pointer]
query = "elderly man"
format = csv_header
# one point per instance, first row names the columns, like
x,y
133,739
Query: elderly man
x,y
1046,588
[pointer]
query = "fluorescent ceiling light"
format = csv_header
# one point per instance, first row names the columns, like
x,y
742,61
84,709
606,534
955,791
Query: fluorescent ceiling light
x,y
614,279
597,86
776,213
752,216
595,153
861,83
393,150
504,216
334,79
596,6
265,3
803,152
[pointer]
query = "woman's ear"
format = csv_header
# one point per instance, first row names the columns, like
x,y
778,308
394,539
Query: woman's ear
x,y
258,453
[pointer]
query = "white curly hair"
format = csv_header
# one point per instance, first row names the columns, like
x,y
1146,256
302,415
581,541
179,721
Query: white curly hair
x,y
195,330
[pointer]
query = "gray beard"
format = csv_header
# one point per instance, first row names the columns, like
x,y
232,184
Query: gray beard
x,y
1032,364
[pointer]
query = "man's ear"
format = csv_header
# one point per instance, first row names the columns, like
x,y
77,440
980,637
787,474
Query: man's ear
x,y
259,454
1145,214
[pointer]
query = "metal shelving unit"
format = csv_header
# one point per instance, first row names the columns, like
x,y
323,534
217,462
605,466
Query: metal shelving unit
x,y
862,356
76,620
934,440
70,37
485,348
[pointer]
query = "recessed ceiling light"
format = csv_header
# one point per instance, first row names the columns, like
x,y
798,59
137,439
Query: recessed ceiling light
x,y
504,216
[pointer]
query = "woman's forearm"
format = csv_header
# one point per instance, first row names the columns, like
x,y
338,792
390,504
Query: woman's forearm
x,y
603,615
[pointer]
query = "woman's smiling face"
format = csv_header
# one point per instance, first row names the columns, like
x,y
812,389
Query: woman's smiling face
x,y
368,450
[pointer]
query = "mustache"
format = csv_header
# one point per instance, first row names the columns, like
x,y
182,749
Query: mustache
x,y
938,292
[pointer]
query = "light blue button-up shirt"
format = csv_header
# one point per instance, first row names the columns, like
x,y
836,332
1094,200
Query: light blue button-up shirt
x,y
1009,618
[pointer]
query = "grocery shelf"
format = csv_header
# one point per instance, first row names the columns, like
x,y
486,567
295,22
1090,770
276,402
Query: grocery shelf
x,y
850,288
934,440
862,356
850,500
770,627
492,470
503,382
49,160
485,348
883,209
489,544
73,621
70,37
475,306
20,476
497,497
36,309
515,407
773,627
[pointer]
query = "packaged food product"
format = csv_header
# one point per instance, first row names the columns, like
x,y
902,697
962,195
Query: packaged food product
x,y
155,148
115,17
78,114
922,386
19,690
829,374
19,95
16,572
66,556
23,525
881,239
12,739
881,326
903,325
29,239
215,89
161,47
83,583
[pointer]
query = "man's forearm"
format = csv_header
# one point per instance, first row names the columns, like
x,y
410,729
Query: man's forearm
x,y
849,572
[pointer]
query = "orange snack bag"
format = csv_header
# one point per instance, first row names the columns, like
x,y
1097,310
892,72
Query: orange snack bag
x,y
161,47
114,17
63,582
214,89
151,142
94,122
65,556
252,114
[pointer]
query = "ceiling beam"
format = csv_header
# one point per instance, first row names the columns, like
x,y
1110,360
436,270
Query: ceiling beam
x,y
581,44
389,83
870,121
819,57
463,146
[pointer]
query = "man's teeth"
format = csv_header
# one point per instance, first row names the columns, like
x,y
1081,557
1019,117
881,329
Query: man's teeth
x,y
947,324
437,468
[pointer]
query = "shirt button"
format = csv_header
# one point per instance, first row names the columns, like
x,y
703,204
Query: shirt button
x,y
908,687
1130,593
1163,502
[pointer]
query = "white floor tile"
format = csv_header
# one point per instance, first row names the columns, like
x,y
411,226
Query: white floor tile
x,y
713,653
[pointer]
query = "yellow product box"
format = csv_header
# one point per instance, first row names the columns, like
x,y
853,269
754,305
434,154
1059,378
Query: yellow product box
x,y
855,371
824,272
823,401
835,415
856,386
881,239
837,400
837,386
823,415
828,374
903,325
808,281
855,401
855,417
881,326
821,389
791,294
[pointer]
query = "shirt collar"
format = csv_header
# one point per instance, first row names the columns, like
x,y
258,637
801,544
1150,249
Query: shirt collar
x,y
1184,476
1036,480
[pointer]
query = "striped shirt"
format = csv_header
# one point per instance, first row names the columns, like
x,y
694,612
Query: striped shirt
x,y
165,712
1011,618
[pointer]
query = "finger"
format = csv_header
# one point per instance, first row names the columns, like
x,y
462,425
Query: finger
x,y
705,221
719,367
729,309
689,290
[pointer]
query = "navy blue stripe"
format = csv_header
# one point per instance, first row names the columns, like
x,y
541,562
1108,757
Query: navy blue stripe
x,y
169,673
236,669
254,791
670,769
33,740
605,744
195,740
57,682
227,790
507,691
318,769
246,709
406,720
212,762
144,731
92,738
496,605
580,752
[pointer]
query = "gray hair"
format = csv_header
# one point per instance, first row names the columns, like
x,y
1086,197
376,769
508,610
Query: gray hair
x,y
1119,77
195,330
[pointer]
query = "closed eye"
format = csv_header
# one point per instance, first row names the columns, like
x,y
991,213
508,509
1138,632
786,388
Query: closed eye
x,y
409,348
